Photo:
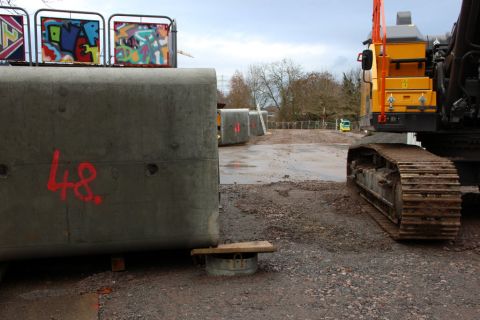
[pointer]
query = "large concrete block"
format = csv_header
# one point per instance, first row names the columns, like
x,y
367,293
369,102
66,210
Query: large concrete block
x,y
234,126
106,159
256,128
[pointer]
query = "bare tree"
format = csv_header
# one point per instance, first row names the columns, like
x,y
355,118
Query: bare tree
x,y
239,95
296,94
283,74
11,3
351,82
255,83
270,83
8,3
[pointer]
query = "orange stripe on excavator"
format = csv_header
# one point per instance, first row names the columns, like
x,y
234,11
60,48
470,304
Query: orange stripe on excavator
x,y
379,14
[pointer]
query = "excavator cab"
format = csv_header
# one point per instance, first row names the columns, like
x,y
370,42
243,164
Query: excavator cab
x,y
409,101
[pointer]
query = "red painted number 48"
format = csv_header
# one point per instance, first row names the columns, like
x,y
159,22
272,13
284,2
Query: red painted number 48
x,y
81,189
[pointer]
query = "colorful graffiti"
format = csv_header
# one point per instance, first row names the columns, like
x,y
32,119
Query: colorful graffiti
x,y
69,40
141,43
12,46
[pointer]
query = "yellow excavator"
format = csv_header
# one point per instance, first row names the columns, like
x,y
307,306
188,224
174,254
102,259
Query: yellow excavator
x,y
430,86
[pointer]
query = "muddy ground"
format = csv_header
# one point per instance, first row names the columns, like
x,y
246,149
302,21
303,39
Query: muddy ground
x,y
287,155
333,262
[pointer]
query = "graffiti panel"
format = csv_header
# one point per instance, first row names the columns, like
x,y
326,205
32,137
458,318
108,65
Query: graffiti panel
x,y
12,46
141,43
70,40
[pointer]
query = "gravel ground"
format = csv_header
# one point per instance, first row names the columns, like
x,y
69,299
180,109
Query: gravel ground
x,y
297,136
333,262
337,263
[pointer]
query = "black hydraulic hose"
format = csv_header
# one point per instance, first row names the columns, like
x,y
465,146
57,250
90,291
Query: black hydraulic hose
x,y
462,67
471,19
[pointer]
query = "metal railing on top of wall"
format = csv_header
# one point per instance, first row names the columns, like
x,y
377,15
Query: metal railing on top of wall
x,y
104,51
37,30
172,27
25,13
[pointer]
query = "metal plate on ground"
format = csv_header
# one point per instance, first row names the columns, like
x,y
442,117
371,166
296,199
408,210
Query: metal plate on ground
x,y
231,264
82,307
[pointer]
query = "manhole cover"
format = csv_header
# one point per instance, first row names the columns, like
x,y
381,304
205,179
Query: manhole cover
x,y
231,264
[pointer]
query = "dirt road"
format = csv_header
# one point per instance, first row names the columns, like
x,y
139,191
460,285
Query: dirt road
x,y
287,155
333,262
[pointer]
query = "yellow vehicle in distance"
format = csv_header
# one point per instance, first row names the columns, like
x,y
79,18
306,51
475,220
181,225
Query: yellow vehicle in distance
x,y
344,125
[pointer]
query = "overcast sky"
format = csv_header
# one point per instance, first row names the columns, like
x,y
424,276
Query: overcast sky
x,y
229,35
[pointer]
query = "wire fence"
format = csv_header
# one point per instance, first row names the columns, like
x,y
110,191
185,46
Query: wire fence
x,y
307,125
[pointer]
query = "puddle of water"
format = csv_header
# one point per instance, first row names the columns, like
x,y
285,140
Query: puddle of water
x,y
237,165
271,163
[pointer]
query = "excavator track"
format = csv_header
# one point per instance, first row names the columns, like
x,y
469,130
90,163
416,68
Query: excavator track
x,y
419,198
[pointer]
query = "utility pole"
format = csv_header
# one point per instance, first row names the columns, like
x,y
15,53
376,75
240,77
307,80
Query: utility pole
x,y
221,84
324,117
